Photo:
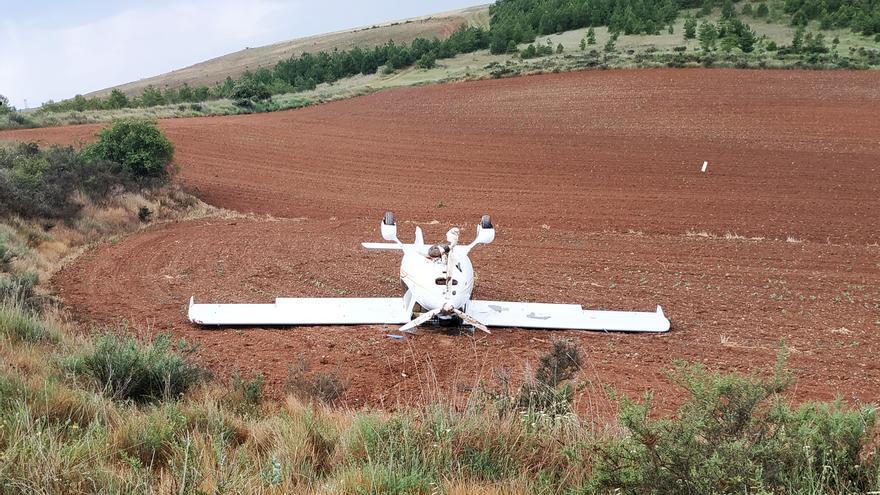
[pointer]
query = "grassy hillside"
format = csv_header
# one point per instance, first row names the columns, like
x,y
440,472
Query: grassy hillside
x,y
234,64
747,34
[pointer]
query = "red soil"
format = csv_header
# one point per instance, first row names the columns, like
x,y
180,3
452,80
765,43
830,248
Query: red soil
x,y
593,180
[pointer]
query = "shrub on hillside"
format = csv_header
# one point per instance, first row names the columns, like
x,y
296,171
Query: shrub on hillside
x,y
247,92
125,368
138,145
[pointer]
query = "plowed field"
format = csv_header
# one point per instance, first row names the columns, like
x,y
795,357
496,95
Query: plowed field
x,y
593,180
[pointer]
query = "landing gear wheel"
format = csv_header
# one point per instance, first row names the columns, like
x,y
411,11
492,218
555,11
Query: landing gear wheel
x,y
388,219
486,222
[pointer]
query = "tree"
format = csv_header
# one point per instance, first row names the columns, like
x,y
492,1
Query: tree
x,y
727,10
5,107
117,99
729,42
747,39
690,28
152,97
591,36
247,92
747,9
708,36
706,8
560,48
137,145
428,60
797,42
763,10
583,44
609,45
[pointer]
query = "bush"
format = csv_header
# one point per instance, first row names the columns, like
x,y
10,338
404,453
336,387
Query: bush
x,y
127,369
247,92
247,393
23,325
324,387
149,441
18,289
735,432
138,145
546,391
38,182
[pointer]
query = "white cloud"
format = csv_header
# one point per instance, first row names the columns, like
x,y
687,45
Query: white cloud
x,y
42,64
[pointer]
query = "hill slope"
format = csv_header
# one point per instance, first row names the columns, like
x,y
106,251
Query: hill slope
x,y
234,64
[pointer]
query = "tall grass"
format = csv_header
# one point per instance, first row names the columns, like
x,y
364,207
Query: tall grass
x,y
124,368
19,323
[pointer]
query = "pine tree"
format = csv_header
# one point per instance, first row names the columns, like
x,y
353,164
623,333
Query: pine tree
x,y
591,36
708,36
797,43
763,10
690,28
727,10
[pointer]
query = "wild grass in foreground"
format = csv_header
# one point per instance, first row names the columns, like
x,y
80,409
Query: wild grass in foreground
x,y
69,429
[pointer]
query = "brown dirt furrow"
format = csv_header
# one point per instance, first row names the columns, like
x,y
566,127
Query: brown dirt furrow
x,y
731,302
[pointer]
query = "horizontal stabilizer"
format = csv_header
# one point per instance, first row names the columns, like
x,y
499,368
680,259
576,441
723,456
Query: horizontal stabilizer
x,y
304,311
565,316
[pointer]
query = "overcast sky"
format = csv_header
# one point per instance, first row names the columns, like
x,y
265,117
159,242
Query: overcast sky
x,y
55,49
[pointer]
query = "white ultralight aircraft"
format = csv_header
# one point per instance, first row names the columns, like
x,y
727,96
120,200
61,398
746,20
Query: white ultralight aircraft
x,y
439,281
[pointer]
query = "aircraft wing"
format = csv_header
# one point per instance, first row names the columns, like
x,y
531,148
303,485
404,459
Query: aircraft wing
x,y
304,311
565,316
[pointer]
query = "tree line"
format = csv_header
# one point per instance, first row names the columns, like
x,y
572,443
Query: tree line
x,y
512,22
862,16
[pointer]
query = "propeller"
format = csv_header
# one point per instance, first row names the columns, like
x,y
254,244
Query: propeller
x,y
424,317
470,320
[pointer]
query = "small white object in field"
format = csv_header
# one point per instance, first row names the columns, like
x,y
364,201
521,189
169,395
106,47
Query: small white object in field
x,y
705,166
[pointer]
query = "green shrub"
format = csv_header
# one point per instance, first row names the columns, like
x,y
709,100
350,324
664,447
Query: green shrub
x,y
246,393
323,387
138,145
735,434
38,182
149,440
125,368
6,254
18,289
23,325
248,92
